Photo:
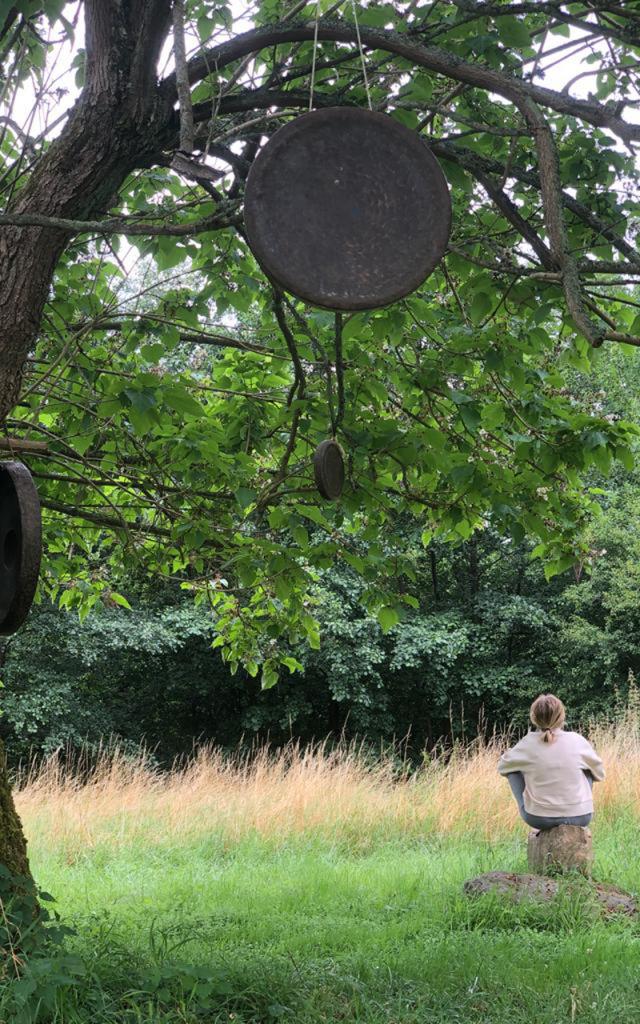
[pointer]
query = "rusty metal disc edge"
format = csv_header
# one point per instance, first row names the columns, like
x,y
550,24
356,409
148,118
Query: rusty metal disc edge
x,y
30,544
318,467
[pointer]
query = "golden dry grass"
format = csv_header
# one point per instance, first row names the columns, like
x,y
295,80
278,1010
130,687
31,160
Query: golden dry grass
x,y
339,794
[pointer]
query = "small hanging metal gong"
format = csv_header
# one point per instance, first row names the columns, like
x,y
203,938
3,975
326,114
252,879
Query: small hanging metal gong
x,y
347,209
328,467
20,544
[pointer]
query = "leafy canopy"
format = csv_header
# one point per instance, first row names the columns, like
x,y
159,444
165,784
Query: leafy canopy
x,y
180,398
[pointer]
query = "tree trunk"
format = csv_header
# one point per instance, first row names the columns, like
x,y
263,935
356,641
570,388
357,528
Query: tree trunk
x,y
473,569
120,122
13,845
434,575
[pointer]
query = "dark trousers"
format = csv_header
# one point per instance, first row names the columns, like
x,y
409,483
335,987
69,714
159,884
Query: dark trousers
x,y
516,781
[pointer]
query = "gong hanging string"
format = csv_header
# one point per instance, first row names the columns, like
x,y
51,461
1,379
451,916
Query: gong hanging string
x,y
337,420
313,59
362,60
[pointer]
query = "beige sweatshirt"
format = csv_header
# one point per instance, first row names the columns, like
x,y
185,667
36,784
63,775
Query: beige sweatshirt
x,y
555,783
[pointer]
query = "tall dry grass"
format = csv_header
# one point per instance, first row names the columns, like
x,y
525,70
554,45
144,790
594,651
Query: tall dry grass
x,y
339,794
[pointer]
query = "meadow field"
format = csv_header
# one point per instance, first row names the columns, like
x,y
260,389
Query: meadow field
x,y
319,886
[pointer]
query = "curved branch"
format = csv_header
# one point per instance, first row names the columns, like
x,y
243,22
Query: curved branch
x,y
553,10
433,58
551,189
477,164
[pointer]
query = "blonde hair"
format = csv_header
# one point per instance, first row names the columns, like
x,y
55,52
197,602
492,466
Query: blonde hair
x,y
547,713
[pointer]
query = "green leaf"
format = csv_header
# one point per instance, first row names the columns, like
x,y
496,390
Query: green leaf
x,y
180,400
388,618
493,415
314,514
480,306
513,32
558,566
625,456
293,665
277,517
245,496
470,416
300,536
270,675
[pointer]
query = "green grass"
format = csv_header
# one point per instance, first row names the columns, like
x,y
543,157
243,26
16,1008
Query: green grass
x,y
376,931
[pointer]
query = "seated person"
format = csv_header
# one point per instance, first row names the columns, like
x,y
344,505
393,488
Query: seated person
x,y
550,771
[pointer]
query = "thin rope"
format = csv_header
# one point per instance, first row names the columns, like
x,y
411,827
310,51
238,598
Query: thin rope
x,y
364,66
313,60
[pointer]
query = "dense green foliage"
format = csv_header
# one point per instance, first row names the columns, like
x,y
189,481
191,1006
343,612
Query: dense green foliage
x,y
484,631
181,398
488,633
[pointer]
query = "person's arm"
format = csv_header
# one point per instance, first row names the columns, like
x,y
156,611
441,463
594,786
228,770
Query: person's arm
x,y
592,762
513,760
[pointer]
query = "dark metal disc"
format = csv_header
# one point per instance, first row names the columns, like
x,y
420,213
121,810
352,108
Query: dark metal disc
x,y
328,467
347,209
20,544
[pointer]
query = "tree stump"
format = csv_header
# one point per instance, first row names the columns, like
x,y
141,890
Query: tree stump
x,y
563,848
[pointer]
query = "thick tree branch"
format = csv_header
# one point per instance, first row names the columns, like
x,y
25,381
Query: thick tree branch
x,y
513,215
553,10
18,444
437,60
551,189
122,225
109,522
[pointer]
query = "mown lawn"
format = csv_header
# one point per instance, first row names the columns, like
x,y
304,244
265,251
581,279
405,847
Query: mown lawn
x,y
368,927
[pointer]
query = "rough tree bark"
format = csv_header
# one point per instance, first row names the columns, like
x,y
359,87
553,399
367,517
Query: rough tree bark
x,y
13,845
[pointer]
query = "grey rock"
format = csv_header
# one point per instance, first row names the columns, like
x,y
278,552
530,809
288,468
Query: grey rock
x,y
507,883
540,887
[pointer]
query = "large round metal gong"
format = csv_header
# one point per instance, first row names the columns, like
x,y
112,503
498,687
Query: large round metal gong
x,y
20,544
347,209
